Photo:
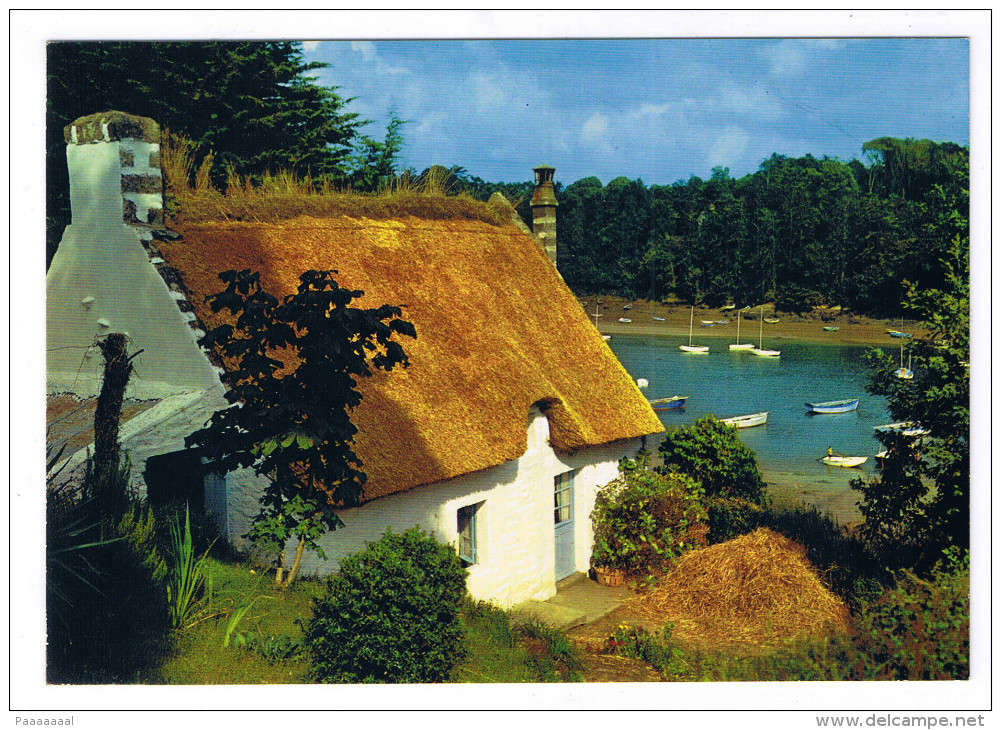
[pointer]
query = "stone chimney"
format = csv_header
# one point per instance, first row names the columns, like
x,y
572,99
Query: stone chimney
x,y
114,169
544,210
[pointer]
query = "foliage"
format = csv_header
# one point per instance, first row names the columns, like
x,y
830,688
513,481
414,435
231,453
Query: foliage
x,y
731,517
919,507
391,614
552,654
710,452
920,629
655,648
290,418
806,231
110,618
644,520
185,578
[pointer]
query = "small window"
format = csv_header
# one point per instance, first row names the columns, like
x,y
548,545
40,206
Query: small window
x,y
563,497
467,533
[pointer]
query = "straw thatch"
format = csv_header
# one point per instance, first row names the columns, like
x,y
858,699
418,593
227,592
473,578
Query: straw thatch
x,y
754,588
498,331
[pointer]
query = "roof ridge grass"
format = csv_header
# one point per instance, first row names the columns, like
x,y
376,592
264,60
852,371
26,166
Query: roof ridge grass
x,y
192,197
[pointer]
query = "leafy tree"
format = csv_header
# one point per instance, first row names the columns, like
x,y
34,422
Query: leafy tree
x,y
711,453
390,614
293,368
919,507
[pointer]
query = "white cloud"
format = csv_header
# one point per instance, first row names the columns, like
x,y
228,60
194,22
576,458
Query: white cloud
x,y
785,57
651,110
728,147
594,128
310,45
370,55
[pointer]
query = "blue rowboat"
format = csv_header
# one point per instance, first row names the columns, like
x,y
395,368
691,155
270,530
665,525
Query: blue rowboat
x,y
669,404
833,406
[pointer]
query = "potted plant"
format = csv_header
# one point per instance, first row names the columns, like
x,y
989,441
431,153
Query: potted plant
x,y
642,521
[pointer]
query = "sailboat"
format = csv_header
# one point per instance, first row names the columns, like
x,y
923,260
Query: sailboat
x,y
759,350
902,372
736,345
701,349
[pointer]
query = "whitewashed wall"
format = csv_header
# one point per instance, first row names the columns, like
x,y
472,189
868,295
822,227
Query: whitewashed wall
x,y
101,280
516,559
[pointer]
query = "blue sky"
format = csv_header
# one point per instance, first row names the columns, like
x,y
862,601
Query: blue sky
x,y
660,110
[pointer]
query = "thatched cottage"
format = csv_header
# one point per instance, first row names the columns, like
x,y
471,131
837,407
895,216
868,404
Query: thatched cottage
x,y
511,415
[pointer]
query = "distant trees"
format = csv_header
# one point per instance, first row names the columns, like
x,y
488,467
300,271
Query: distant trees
x,y
799,230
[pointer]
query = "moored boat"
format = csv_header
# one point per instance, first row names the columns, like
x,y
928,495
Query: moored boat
x,y
907,428
833,406
759,350
625,320
669,403
737,346
697,349
753,419
830,328
845,461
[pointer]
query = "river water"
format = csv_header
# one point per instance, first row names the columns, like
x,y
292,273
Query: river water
x,y
790,445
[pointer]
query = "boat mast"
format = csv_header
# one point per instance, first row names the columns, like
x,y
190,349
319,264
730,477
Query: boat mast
x,y
691,323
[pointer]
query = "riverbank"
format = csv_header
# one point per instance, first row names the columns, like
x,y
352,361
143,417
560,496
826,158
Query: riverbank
x,y
673,320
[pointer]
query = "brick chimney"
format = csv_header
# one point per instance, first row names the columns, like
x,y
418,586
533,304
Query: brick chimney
x,y
544,210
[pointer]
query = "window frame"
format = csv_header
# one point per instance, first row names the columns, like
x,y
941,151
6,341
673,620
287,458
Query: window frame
x,y
468,534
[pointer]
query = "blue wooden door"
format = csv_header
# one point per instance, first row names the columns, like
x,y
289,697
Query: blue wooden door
x,y
563,519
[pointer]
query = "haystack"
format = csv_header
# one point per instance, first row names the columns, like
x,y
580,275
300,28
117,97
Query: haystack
x,y
757,588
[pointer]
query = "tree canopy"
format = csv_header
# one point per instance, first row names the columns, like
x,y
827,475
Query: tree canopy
x,y
799,231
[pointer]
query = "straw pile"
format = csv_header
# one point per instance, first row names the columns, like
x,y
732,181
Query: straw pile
x,y
757,588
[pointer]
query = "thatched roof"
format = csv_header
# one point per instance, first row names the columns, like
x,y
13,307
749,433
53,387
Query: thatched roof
x,y
497,331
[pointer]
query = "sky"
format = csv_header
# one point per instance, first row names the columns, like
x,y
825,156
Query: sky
x,y
657,109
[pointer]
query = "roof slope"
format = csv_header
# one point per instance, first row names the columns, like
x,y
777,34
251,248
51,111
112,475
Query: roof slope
x,y
497,331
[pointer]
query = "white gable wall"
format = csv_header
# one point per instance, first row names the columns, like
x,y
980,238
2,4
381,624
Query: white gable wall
x,y
515,529
102,260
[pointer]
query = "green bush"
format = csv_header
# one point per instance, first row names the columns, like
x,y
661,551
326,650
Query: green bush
x,y
643,520
920,629
391,614
710,452
731,517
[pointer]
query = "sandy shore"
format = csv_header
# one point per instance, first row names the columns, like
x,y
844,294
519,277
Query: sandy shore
x,y
852,330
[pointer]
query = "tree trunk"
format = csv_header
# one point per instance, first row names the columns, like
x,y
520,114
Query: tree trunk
x,y
294,570
117,369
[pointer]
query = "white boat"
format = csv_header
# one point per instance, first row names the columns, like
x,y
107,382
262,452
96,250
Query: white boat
x,y
698,349
907,428
845,461
759,350
728,307
658,319
753,419
625,320
902,372
833,406
736,346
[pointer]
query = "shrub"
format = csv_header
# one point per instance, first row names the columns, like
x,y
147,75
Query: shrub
x,y
731,517
391,614
643,520
710,452
920,629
